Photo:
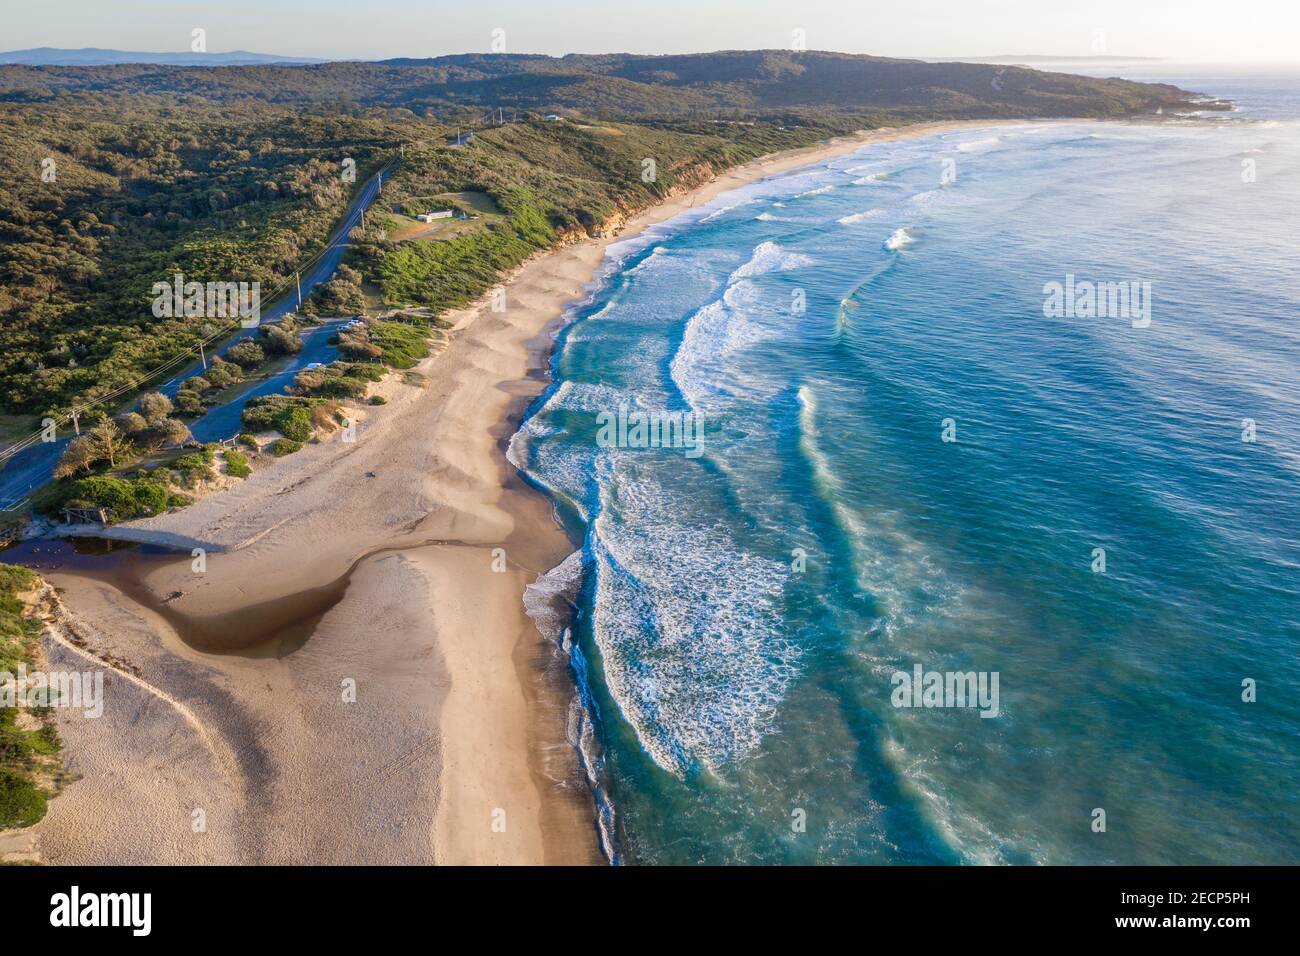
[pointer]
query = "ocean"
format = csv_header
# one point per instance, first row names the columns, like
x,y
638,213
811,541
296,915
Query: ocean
x,y
1018,406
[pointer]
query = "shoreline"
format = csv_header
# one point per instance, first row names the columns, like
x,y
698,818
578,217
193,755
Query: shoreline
x,y
459,727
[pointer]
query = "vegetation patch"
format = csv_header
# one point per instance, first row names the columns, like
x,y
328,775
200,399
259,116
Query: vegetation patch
x,y
400,345
29,748
142,496
290,415
237,464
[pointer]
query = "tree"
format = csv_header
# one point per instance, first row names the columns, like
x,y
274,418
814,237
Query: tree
x,y
108,443
79,456
173,430
104,442
154,406
131,422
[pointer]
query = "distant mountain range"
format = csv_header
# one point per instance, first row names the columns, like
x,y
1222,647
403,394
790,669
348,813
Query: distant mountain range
x,y
731,83
1046,58
91,56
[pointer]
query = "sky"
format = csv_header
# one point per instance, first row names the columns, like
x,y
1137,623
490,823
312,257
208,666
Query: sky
x,y
1266,31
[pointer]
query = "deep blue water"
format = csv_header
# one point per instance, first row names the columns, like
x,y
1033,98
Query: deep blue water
x,y
743,611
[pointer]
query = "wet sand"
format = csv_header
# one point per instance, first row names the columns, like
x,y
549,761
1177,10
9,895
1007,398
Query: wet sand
x,y
395,565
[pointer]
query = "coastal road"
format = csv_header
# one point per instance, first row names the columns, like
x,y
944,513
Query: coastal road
x,y
34,466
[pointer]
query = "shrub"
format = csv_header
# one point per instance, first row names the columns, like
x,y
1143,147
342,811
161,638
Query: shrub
x,y
284,446
170,430
357,346
152,498
128,498
21,803
378,400
237,464
400,346
369,371
276,412
194,466
249,440
280,340
246,353
131,423
334,386
222,374
294,423
189,403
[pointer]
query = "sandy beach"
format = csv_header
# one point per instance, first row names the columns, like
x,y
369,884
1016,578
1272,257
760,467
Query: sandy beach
x,y
420,716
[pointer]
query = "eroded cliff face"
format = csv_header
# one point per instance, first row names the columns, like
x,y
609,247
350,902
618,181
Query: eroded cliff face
x,y
684,180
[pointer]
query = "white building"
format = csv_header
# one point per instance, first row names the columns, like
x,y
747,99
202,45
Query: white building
x,y
436,214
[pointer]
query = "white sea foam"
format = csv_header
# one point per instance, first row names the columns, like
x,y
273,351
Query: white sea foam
x,y
688,628
725,326
723,210
564,475
899,239
549,599
769,257
815,192
979,145
859,217
657,256
871,180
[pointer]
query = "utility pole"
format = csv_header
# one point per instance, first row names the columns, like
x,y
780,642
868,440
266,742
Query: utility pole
x,y
363,219
76,426
298,277
202,357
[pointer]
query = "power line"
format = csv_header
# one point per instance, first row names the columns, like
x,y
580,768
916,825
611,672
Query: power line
x,y
62,418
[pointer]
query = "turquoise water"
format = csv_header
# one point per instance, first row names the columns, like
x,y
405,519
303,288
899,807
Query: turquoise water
x,y
743,610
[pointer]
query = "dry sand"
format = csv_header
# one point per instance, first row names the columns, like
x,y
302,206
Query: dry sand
x,y
454,750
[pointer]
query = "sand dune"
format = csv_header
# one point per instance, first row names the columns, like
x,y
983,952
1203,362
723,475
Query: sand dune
x,y
459,721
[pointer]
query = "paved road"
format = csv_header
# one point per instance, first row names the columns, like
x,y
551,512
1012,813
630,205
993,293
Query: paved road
x,y
34,466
